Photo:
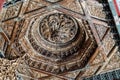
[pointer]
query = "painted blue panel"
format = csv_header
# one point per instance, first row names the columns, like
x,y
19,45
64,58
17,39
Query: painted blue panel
x,y
112,7
118,28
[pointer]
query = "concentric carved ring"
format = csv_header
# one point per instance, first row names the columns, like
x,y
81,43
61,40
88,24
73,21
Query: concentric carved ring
x,y
56,36
58,28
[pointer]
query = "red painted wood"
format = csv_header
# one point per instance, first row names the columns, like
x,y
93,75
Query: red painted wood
x,y
1,3
116,6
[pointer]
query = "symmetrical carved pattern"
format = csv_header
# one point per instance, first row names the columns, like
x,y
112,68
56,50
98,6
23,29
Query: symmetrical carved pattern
x,y
79,62
55,37
61,57
58,28
12,11
62,50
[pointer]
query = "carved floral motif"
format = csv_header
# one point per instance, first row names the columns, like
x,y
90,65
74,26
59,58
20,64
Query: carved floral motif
x,y
58,28
7,70
12,11
51,27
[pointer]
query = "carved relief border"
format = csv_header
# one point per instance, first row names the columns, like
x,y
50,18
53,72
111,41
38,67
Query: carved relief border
x,y
50,54
62,67
66,66
13,11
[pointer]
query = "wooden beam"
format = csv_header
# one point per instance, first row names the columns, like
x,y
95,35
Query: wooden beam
x,y
56,75
4,35
81,16
112,52
94,56
88,17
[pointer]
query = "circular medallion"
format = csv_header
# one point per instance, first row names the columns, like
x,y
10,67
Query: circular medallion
x,y
58,28
56,35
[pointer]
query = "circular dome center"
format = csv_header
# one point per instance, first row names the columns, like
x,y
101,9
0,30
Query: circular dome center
x,y
58,28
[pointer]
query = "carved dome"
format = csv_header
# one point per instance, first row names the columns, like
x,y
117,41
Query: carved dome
x,y
56,35
57,39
